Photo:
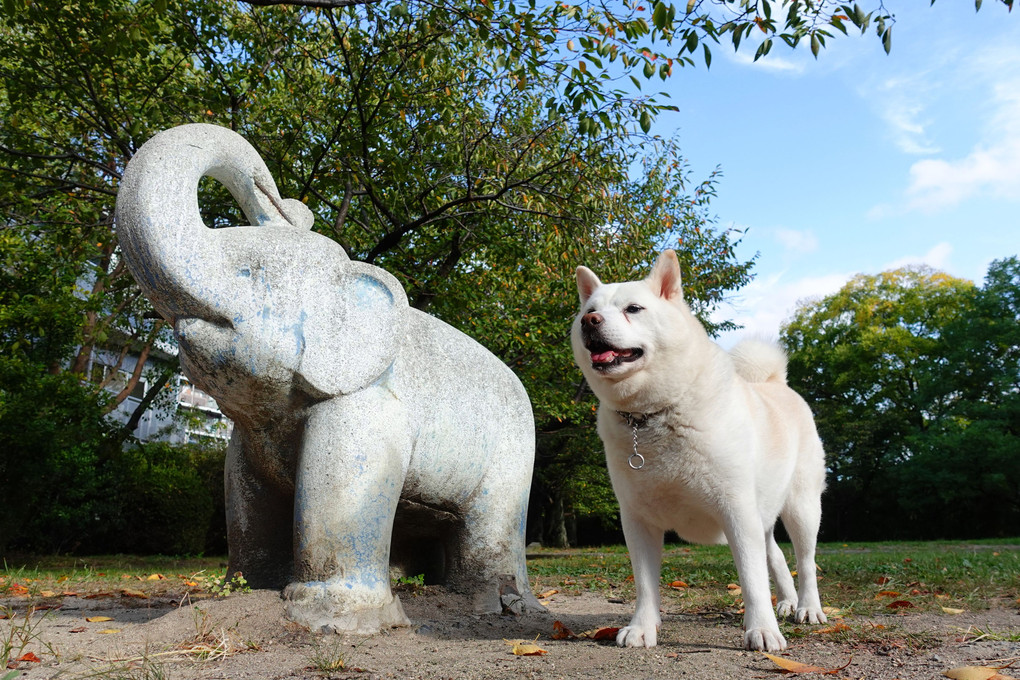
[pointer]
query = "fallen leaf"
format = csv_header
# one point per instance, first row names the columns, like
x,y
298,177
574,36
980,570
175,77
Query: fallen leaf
x,y
29,657
732,586
17,590
899,604
98,619
887,593
608,633
548,593
154,577
836,627
47,593
831,611
952,610
561,632
791,666
80,629
882,580
679,585
131,592
975,673
521,648
109,631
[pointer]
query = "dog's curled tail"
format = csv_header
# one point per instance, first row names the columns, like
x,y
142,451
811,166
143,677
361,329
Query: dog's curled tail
x,y
758,361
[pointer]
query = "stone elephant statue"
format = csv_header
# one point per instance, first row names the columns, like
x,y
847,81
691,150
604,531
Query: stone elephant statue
x,y
358,419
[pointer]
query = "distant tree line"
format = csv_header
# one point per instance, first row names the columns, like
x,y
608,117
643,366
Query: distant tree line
x,y
914,377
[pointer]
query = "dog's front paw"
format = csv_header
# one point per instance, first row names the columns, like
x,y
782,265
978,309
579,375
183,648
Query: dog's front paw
x,y
637,636
810,615
785,608
764,640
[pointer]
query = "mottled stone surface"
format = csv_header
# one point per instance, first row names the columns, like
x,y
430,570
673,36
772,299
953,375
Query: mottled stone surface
x,y
353,411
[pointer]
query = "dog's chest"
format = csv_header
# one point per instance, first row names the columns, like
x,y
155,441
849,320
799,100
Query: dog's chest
x,y
659,470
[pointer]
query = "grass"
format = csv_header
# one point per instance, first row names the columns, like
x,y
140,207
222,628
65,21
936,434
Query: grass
x,y
860,580
863,578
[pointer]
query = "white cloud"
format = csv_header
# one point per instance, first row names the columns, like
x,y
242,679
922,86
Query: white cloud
x,y
745,57
797,242
903,103
937,258
765,303
992,165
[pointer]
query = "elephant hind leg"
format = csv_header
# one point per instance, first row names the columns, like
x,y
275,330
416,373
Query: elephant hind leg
x,y
489,561
260,519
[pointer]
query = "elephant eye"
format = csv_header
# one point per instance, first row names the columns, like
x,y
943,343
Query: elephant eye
x,y
633,309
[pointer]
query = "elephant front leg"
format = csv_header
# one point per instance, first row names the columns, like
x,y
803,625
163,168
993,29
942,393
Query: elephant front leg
x,y
348,481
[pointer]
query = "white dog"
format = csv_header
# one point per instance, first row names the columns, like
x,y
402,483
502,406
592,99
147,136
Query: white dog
x,y
710,444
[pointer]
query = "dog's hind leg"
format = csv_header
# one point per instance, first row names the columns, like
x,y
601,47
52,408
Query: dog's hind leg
x,y
801,517
786,593
645,546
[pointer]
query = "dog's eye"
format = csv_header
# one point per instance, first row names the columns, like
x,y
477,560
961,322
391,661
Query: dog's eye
x,y
633,309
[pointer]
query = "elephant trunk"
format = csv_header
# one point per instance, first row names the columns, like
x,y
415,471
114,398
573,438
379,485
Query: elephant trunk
x,y
173,255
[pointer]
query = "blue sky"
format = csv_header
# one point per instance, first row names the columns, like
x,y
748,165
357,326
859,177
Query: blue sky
x,y
858,162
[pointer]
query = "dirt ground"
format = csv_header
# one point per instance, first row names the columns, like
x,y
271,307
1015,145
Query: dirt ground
x,y
245,635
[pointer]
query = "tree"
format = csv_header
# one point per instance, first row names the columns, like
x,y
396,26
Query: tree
x,y
912,375
445,154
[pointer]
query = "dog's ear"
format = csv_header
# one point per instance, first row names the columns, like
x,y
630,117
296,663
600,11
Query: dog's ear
x,y
587,282
665,277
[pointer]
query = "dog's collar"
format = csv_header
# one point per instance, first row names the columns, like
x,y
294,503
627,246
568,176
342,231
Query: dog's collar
x,y
636,420
636,461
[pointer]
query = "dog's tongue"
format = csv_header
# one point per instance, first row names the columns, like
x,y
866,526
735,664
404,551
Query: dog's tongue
x,y
609,356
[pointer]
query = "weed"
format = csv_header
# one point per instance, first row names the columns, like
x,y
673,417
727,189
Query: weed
x,y
140,669
413,583
328,655
221,586
15,637
973,634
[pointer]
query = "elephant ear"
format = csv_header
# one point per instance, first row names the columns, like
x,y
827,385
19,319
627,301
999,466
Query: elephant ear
x,y
353,333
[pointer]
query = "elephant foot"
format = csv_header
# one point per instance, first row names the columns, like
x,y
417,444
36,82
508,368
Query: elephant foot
x,y
327,608
501,595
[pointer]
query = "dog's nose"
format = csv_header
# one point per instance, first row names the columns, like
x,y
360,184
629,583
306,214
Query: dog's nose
x,y
591,319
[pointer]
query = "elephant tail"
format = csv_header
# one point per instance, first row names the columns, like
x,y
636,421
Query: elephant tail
x,y
170,251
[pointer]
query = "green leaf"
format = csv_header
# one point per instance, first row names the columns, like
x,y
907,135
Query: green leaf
x,y
649,68
816,44
646,121
659,15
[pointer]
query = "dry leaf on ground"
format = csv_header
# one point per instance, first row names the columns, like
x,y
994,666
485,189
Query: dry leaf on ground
x,y
131,592
561,632
976,673
521,648
899,604
836,627
599,634
98,619
791,666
